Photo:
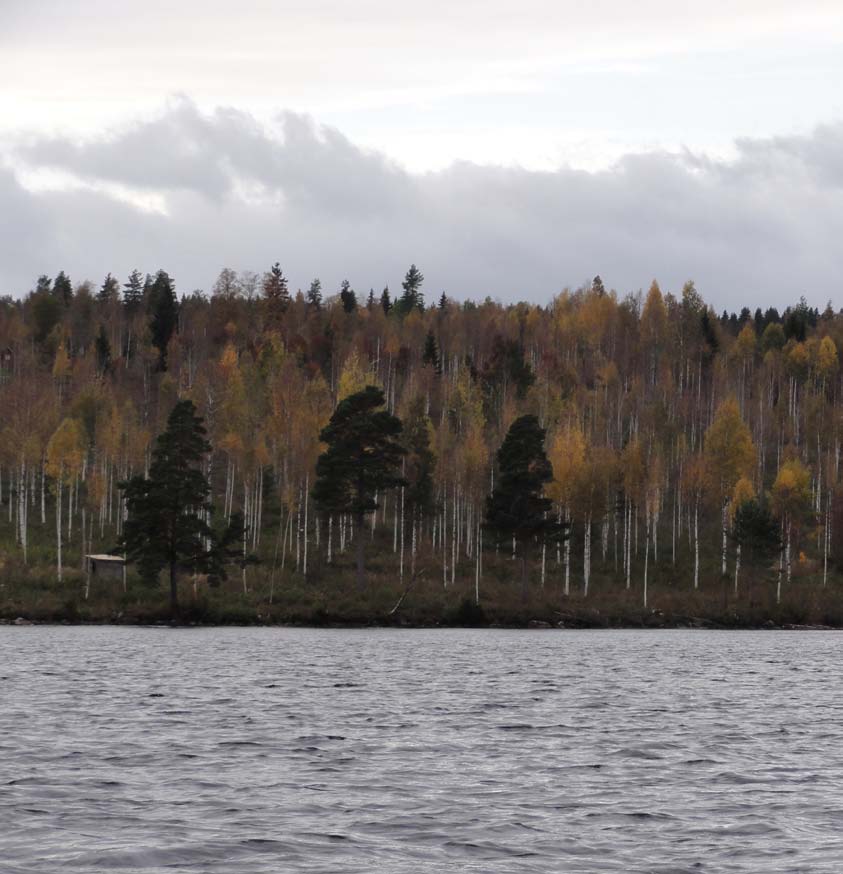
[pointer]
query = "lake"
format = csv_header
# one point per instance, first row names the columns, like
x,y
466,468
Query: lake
x,y
286,750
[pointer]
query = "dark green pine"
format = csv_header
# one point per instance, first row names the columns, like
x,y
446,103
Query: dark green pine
x,y
362,459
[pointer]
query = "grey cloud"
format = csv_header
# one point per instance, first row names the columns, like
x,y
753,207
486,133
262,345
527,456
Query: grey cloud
x,y
759,230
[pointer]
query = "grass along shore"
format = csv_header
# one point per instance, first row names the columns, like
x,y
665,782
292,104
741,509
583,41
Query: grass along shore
x,y
330,597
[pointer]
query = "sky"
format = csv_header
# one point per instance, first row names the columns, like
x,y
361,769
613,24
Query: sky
x,y
508,149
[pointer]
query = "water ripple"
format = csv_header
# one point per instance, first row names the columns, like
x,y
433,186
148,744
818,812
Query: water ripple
x,y
243,751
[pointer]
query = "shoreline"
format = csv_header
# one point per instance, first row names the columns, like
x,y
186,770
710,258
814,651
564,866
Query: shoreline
x,y
674,624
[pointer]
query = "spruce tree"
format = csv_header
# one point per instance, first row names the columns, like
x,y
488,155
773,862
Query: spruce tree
x,y
276,295
348,297
430,356
412,296
165,313
165,525
133,293
443,302
756,533
420,462
386,302
103,349
362,459
517,508
63,288
109,290
314,295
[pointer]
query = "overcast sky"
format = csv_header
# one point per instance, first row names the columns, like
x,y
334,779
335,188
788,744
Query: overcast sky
x,y
508,149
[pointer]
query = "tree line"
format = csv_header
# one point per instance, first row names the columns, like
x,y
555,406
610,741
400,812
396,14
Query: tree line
x,y
639,432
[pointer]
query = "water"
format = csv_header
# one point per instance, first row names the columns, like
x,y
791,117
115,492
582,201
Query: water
x,y
287,750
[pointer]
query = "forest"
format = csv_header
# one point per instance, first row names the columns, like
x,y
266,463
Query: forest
x,y
683,466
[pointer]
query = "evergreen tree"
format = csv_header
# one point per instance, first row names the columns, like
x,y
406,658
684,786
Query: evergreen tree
x,y
133,293
46,313
517,508
43,285
348,297
109,290
165,524
420,462
362,459
597,286
443,302
430,356
103,349
314,295
63,289
756,534
370,301
386,302
165,309
276,295
412,297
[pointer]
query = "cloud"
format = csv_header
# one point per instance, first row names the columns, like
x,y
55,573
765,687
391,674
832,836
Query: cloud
x,y
759,230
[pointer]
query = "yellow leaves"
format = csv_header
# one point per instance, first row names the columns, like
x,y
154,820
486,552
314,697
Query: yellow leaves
x,y
467,403
66,451
827,361
654,317
567,456
798,360
746,343
729,451
353,377
231,443
744,491
61,365
228,359
792,488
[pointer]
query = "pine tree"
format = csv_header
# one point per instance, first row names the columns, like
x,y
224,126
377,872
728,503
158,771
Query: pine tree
x,y
164,308
109,290
362,459
63,288
370,301
412,297
165,525
348,297
314,295
386,302
517,508
443,302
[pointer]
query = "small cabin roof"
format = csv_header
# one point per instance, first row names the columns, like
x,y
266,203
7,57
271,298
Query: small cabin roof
x,y
118,558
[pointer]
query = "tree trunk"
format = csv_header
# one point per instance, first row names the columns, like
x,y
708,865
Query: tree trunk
x,y
361,544
697,545
58,521
524,574
174,591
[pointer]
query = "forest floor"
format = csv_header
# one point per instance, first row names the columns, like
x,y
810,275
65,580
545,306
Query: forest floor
x,y
331,598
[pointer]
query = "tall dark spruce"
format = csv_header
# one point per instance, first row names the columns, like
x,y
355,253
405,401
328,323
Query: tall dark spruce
x,y
517,508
